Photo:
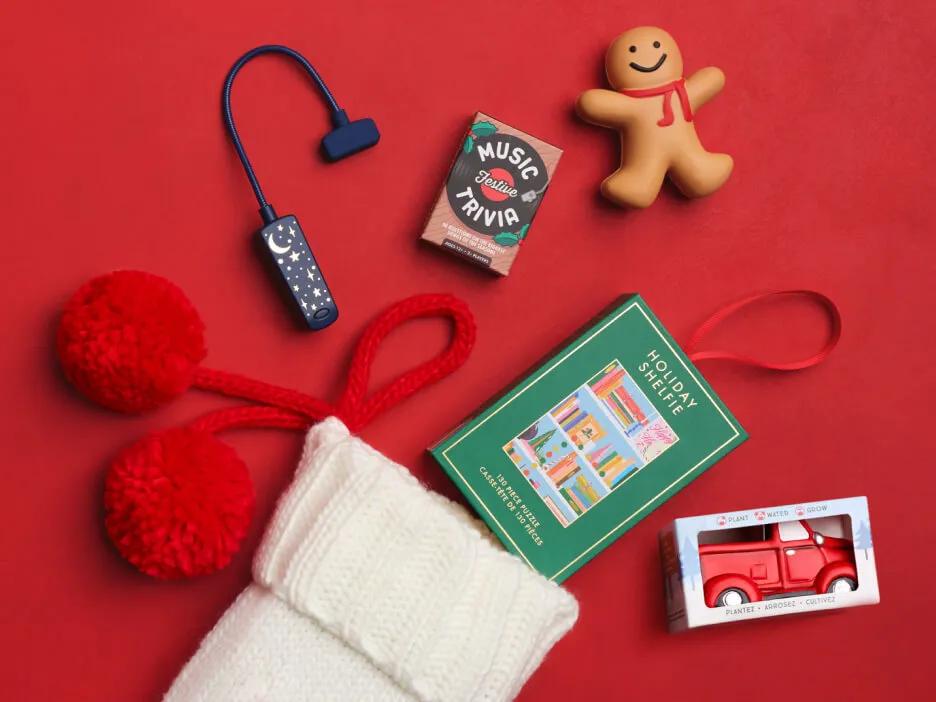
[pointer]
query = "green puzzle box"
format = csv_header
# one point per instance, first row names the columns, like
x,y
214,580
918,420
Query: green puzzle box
x,y
589,442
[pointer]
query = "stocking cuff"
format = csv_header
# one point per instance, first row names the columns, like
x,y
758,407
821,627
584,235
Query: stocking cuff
x,y
407,577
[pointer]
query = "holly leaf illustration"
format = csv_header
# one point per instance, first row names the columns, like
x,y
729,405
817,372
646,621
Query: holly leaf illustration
x,y
521,235
469,144
506,239
483,129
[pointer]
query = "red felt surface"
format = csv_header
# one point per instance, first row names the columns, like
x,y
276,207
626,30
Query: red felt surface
x,y
114,156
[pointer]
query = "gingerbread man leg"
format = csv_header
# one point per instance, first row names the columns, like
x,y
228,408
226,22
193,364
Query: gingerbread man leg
x,y
697,172
637,184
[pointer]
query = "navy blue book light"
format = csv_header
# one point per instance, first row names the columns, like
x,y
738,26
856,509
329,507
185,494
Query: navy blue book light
x,y
282,237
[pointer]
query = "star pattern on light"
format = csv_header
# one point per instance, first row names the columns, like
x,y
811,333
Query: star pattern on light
x,y
297,266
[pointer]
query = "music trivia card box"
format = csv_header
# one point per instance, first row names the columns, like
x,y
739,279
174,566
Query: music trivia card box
x,y
590,442
492,193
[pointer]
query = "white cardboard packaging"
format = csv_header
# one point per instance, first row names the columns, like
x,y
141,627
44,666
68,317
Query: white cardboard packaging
x,y
767,562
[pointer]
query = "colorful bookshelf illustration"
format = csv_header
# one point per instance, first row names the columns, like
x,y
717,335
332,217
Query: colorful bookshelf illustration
x,y
590,443
512,454
579,425
566,468
649,433
612,467
579,494
610,388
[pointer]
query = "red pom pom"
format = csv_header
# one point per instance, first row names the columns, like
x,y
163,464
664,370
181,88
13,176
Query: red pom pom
x,y
130,340
178,503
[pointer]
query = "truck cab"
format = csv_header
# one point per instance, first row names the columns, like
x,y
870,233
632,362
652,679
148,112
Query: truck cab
x,y
784,559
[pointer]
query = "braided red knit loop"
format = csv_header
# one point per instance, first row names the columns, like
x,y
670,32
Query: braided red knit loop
x,y
291,409
239,386
356,409
249,416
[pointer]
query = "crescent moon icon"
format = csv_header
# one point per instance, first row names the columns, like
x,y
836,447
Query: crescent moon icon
x,y
276,248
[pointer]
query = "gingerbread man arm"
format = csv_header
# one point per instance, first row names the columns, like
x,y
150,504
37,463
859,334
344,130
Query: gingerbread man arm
x,y
703,85
606,108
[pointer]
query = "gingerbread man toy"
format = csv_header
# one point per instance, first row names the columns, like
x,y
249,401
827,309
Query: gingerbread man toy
x,y
653,107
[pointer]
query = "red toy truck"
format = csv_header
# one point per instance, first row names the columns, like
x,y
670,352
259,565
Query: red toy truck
x,y
791,559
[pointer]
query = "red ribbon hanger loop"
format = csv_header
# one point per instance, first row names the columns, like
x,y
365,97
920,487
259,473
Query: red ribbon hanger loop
x,y
835,332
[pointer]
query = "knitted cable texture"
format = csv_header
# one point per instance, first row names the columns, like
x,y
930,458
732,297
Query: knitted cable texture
x,y
367,586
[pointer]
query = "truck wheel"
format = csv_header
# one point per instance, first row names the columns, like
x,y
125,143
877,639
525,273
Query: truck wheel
x,y
732,597
843,584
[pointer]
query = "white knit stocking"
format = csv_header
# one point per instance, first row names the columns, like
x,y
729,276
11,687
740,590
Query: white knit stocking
x,y
369,587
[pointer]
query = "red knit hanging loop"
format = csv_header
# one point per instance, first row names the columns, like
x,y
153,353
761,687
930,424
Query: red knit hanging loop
x,y
133,341
250,416
356,409
241,387
292,409
835,332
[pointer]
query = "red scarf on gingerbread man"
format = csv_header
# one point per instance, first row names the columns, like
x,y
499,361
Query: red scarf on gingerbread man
x,y
678,87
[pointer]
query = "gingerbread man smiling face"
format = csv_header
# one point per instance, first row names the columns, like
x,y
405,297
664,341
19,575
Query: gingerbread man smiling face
x,y
653,107
643,58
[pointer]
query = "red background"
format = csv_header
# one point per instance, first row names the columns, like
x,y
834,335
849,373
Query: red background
x,y
114,157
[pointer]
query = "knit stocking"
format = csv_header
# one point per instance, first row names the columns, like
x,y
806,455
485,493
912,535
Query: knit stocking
x,y
369,587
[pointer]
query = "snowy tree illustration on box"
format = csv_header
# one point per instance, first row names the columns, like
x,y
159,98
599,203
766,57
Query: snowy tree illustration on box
x,y
689,558
863,538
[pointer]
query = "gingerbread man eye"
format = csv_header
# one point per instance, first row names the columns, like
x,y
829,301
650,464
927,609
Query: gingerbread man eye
x,y
656,45
633,49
